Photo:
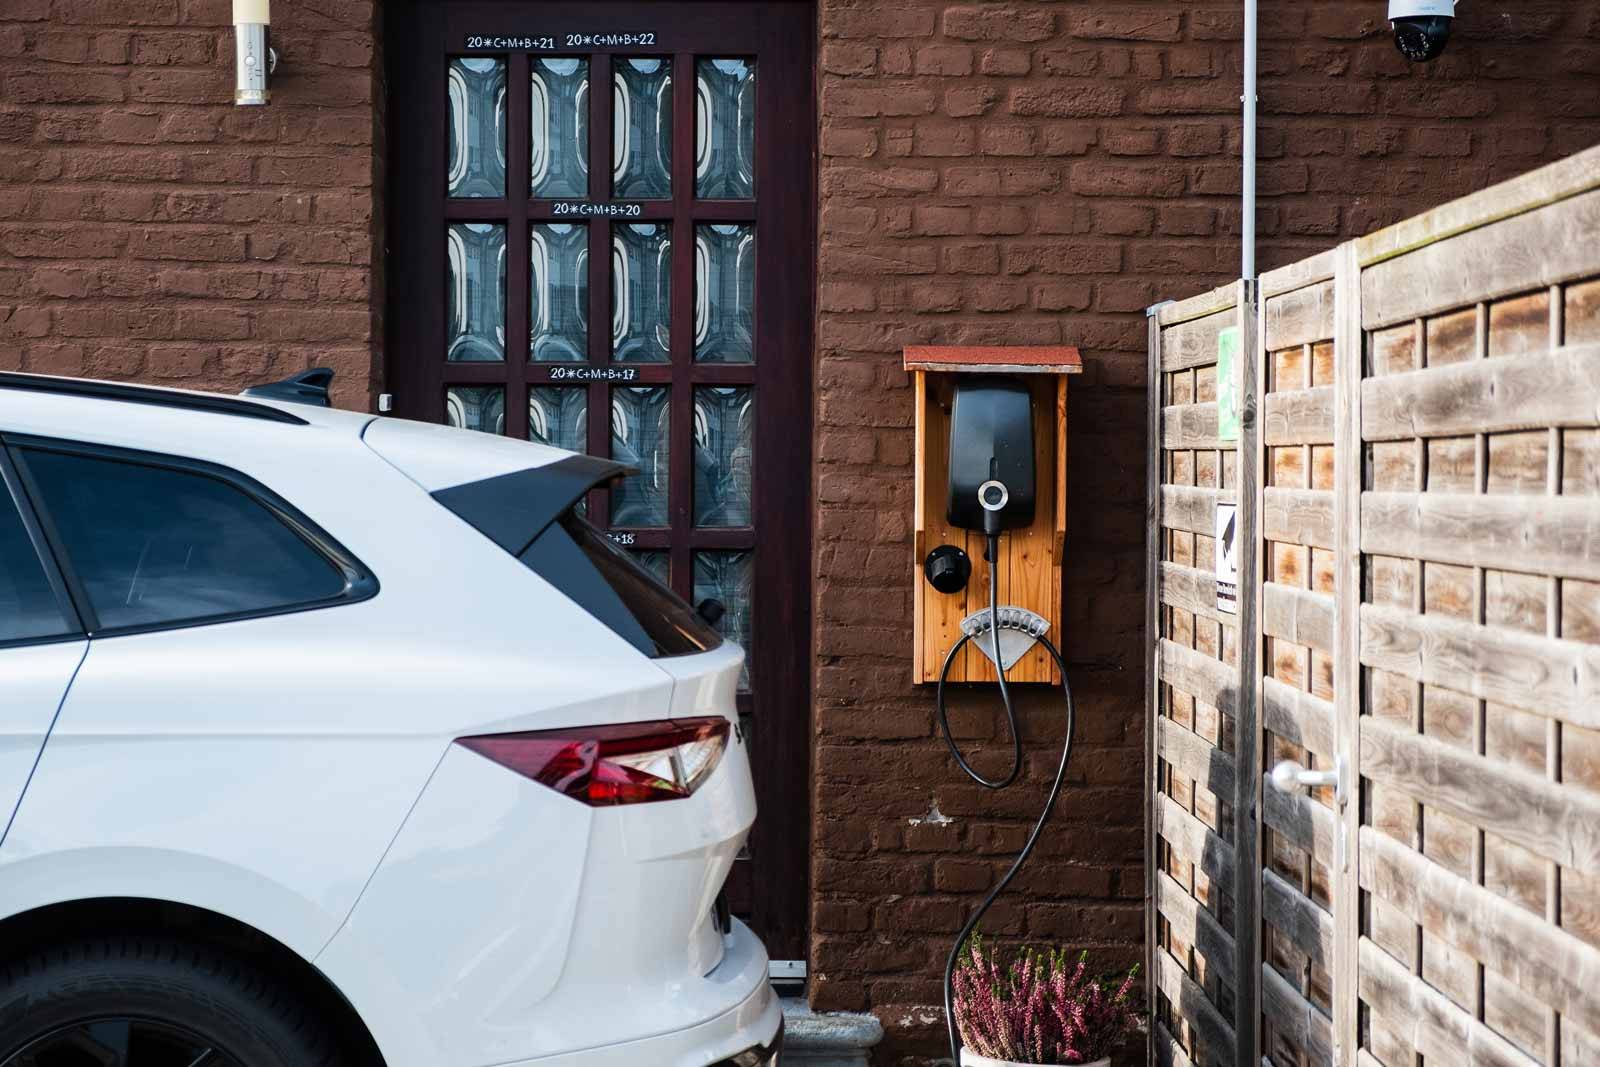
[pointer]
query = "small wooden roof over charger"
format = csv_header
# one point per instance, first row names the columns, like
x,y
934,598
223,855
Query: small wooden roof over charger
x,y
1031,571
994,359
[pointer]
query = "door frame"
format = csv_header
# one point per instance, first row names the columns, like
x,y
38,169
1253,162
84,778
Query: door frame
x,y
419,35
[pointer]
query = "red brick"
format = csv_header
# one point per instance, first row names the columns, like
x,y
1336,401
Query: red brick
x,y
1067,101
998,24
1127,25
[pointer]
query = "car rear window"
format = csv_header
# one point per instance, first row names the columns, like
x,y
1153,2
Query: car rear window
x,y
157,546
606,581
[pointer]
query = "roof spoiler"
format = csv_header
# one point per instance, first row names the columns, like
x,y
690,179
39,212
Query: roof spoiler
x,y
512,510
310,387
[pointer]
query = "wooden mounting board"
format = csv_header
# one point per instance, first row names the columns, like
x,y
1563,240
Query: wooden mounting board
x,y
1030,572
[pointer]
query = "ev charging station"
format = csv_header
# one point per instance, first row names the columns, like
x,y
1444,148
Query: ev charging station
x,y
990,531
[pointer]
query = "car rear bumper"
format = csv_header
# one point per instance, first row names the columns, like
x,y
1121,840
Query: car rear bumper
x,y
750,1034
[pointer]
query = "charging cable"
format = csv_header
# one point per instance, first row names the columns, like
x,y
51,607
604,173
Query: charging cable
x,y
992,504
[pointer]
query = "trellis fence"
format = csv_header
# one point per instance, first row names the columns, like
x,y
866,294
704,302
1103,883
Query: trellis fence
x,y
1414,500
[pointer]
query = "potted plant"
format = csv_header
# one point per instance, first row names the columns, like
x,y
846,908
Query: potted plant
x,y
1037,1009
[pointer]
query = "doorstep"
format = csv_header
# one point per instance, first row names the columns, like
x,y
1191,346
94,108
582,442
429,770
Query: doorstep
x,y
827,1039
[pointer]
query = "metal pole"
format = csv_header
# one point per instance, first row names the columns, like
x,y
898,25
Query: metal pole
x,y
1247,224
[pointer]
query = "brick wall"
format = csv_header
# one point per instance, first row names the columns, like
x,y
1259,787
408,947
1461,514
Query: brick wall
x,y
150,229
1038,173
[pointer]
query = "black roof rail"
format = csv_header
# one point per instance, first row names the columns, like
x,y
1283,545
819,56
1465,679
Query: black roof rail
x,y
141,394
307,387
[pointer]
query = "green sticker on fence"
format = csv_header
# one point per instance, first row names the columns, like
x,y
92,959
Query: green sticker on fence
x,y
1228,384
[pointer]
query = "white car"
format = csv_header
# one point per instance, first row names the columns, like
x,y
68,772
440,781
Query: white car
x,y
327,739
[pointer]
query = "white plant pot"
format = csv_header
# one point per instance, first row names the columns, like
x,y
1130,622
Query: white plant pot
x,y
970,1058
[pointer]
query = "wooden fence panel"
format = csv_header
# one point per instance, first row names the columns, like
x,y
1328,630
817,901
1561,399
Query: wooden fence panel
x,y
1295,682
1479,751
1194,758
1420,607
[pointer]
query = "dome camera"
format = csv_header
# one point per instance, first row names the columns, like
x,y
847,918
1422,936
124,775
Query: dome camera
x,y
1421,27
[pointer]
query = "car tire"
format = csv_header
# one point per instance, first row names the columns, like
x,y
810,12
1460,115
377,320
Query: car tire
x,y
168,991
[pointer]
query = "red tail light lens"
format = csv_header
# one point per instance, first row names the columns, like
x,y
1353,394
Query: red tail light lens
x,y
604,766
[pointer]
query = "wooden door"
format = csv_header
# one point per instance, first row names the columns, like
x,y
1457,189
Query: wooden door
x,y
601,237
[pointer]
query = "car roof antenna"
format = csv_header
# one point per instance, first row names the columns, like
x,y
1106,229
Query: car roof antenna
x,y
309,387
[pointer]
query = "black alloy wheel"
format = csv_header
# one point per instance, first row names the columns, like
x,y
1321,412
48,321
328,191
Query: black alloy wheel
x,y
155,1001
122,1042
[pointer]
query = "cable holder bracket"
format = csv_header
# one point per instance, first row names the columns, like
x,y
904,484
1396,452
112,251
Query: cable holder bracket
x,y
1020,630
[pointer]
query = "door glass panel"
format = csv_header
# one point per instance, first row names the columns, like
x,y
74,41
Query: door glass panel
x,y
558,266
639,437
476,163
28,608
657,562
729,577
558,416
641,292
476,407
476,273
724,435
559,115
725,129
641,153
724,293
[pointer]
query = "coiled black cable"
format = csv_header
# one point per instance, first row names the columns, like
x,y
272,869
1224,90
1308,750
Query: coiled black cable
x,y
1001,783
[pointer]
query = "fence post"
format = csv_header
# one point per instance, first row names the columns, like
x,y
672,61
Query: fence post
x,y
1247,727
1152,654
1348,465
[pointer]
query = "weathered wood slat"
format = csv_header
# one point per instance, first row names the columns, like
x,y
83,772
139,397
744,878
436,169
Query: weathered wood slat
x,y
1297,516
1296,1017
1298,417
1297,275
1191,1002
1193,343
1194,756
1560,388
1514,255
1545,961
1193,590
1300,317
1556,822
1298,716
1187,507
1526,192
1191,426
1297,615
1195,842
1553,535
1298,918
1199,306
1546,675
1196,926
1167,1050
1208,680
1435,1027
1302,821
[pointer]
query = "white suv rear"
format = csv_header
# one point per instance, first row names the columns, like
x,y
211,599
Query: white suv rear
x,y
335,740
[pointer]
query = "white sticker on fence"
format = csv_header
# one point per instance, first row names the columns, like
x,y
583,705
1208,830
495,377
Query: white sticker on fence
x,y
1227,540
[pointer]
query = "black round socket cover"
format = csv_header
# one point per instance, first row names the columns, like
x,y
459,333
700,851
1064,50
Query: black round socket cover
x,y
947,569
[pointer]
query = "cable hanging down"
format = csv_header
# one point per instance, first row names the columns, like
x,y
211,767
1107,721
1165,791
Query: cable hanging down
x,y
993,555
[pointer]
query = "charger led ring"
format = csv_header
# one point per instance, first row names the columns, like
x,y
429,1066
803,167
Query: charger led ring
x,y
983,495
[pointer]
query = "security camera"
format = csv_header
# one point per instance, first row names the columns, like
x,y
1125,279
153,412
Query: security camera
x,y
1421,27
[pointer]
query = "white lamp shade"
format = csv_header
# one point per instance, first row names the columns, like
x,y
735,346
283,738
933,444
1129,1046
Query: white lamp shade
x,y
246,12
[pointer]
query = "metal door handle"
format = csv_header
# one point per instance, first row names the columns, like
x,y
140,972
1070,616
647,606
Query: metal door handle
x,y
1289,776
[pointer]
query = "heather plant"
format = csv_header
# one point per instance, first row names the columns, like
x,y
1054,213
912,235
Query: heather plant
x,y
1037,1007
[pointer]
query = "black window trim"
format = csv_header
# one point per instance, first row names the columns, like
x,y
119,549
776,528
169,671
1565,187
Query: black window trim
x,y
11,490
360,583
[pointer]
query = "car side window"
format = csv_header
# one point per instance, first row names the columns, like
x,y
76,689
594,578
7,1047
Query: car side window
x,y
153,545
29,610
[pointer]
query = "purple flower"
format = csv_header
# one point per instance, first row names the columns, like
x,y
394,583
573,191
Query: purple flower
x,y
1038,1008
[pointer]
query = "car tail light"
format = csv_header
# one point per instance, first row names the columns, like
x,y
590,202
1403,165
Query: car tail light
x,y
605,766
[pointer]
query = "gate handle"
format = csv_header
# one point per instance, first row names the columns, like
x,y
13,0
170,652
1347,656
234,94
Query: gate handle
x,y
1289,776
